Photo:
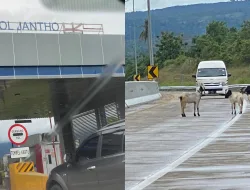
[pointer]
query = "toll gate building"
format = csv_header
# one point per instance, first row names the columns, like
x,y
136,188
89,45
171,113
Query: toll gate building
x,y
48,74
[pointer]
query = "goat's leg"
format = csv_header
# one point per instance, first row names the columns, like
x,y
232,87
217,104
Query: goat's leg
x,y
241,106
183,105
194,109
198,108
240,109
234,109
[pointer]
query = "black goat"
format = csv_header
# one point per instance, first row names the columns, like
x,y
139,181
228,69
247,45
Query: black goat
x,y
245,90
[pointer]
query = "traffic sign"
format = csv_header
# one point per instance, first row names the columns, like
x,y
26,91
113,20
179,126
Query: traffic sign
x,y
18,134
153,72
23,152
137,77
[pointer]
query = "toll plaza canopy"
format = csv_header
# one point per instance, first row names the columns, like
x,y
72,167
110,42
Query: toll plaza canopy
x,y
39,55
69,65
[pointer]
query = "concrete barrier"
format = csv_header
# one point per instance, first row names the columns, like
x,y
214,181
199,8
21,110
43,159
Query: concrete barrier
x,y
138,92
24,177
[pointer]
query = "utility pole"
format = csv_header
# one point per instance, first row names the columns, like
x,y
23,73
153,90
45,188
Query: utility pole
x,y
136,70
150,36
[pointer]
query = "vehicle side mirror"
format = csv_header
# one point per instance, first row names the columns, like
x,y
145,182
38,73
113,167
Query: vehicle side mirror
x,y
229,75
67,158
194,76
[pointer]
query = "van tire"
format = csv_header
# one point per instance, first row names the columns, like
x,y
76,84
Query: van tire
x,y
56,187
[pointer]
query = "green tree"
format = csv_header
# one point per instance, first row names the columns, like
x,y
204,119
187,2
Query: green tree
x,y
143,61
144,34
217,30
245,51
129,68
245,30
168,47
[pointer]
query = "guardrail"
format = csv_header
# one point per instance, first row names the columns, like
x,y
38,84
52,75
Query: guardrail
x,y
191,88
138,92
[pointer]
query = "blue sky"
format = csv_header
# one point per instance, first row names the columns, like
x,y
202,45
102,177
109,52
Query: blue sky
x,y
141,5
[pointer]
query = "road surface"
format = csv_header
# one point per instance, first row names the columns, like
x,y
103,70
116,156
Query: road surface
x,y
159,141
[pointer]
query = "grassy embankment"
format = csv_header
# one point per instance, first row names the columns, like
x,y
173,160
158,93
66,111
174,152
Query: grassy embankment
x,y
32,99
181,75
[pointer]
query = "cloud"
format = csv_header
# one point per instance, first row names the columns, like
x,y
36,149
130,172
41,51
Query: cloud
x,y
141,5
32,10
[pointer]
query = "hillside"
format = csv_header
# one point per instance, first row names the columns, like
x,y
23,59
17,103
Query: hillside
x,y
189,20
4,148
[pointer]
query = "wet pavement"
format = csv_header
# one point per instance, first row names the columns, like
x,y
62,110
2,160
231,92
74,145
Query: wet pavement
x,y
158,137
222,165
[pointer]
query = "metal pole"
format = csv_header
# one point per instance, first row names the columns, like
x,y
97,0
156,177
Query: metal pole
x,y
53,139
21,159
150,36
136,70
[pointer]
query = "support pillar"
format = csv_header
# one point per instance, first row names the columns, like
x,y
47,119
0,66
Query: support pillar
x,y
60,105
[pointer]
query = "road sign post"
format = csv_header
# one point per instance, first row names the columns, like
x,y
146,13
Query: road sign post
x,y
18,135
153,72
22,152
137,77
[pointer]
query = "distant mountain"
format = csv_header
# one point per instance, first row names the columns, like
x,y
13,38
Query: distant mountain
x,y
189,20
4,148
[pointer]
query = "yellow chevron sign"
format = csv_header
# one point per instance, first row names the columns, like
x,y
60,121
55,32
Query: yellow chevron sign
x,y
137,77
153,72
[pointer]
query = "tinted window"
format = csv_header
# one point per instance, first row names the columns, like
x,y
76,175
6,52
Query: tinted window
x,y
89,149
112,143
211,72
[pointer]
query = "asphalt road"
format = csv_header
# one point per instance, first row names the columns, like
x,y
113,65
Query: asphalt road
x,y
159,141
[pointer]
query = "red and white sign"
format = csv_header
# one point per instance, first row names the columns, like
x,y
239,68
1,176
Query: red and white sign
x,y
18,134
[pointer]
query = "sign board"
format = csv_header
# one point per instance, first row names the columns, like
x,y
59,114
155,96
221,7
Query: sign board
x,y
137,77
49,27
18,134
153,72
23,152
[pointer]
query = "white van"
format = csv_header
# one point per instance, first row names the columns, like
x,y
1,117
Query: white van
x,y
214,76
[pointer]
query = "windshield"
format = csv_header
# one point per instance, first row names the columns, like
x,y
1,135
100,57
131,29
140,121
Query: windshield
x,y
211,72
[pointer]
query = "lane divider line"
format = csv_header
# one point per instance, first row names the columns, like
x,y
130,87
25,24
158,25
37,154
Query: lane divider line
x,y
193,150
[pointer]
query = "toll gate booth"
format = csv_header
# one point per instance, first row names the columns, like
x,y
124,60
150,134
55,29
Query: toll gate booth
x,y
45,152
48,74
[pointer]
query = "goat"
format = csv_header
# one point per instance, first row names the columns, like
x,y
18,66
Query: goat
x,y
194,98
235,97
246,90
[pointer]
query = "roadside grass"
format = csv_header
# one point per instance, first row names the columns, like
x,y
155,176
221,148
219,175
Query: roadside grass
x,y
182,75
26,98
